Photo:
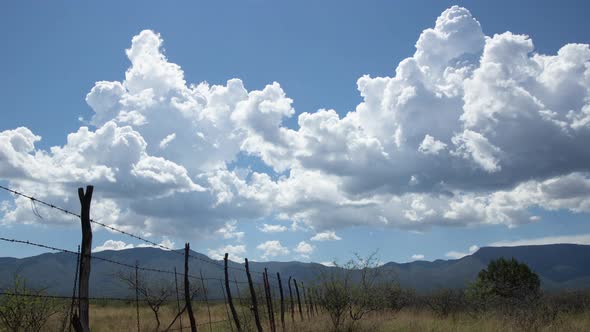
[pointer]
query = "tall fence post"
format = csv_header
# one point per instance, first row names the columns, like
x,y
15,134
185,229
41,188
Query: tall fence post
x,y
253,296
231,327
71,313
292,303
187,290
206,298
267,291
137,294
177,297
282,302
229,297
298,299
83,303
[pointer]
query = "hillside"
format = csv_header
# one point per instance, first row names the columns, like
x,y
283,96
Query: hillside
x,y
560,266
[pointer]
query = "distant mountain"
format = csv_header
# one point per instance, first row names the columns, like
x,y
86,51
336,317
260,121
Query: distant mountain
x,y
560,266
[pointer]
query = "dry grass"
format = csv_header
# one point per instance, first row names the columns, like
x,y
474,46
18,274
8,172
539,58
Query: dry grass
x,y
122,317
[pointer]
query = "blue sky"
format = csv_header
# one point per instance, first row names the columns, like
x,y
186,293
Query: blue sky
x,y
54,53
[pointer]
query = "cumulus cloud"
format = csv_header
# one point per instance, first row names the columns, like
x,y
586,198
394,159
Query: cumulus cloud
x,y
113,245
272,249
459,254
120,245
304,249
235,253
326,236
469,129
268,228
229,231
418,257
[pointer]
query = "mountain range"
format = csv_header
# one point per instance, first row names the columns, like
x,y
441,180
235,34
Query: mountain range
x,y
560,267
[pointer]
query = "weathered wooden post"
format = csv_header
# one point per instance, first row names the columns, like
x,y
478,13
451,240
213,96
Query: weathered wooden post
x,y
83,303
298,299
282,302
137,294
229,297
206,298
253,296
187,290
292,303
267,291
177,297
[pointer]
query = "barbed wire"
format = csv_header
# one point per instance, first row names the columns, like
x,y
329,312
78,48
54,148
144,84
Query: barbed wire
x,y
114,229
64,297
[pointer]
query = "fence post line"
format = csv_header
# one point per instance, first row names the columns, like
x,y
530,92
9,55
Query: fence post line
x,y
206,299
229,297
84,285
187,290
292,303
137,294
177,297
282,302
253,296
298,299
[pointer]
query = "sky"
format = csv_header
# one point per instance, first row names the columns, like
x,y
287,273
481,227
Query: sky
x,y
302,130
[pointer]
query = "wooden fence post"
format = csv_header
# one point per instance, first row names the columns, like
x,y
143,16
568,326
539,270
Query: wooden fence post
x,y
298,299
253,296
177,297
187,290
229,297
292,303
83,303
271,314
206,298
137,294
282,302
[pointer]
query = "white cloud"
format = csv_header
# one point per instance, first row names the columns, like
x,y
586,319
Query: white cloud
x,y
113,245
166,140
431,146
272,249
458,254
304,248
418,257
575,239
120,245
235,253
267,228
471,129
229,231
326,236
328,263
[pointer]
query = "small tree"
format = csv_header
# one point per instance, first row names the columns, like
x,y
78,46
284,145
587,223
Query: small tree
x,y
506,280
156,293
352,290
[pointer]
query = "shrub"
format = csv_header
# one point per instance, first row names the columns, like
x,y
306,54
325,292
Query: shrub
x,y
26,309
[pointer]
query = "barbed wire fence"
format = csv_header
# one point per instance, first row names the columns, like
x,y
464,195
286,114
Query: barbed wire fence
x,y
219,303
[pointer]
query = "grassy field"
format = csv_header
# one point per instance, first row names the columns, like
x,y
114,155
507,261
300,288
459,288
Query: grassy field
x,y
122,317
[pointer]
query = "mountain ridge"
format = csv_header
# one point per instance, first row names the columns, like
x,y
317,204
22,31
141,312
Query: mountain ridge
x,y
560,267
